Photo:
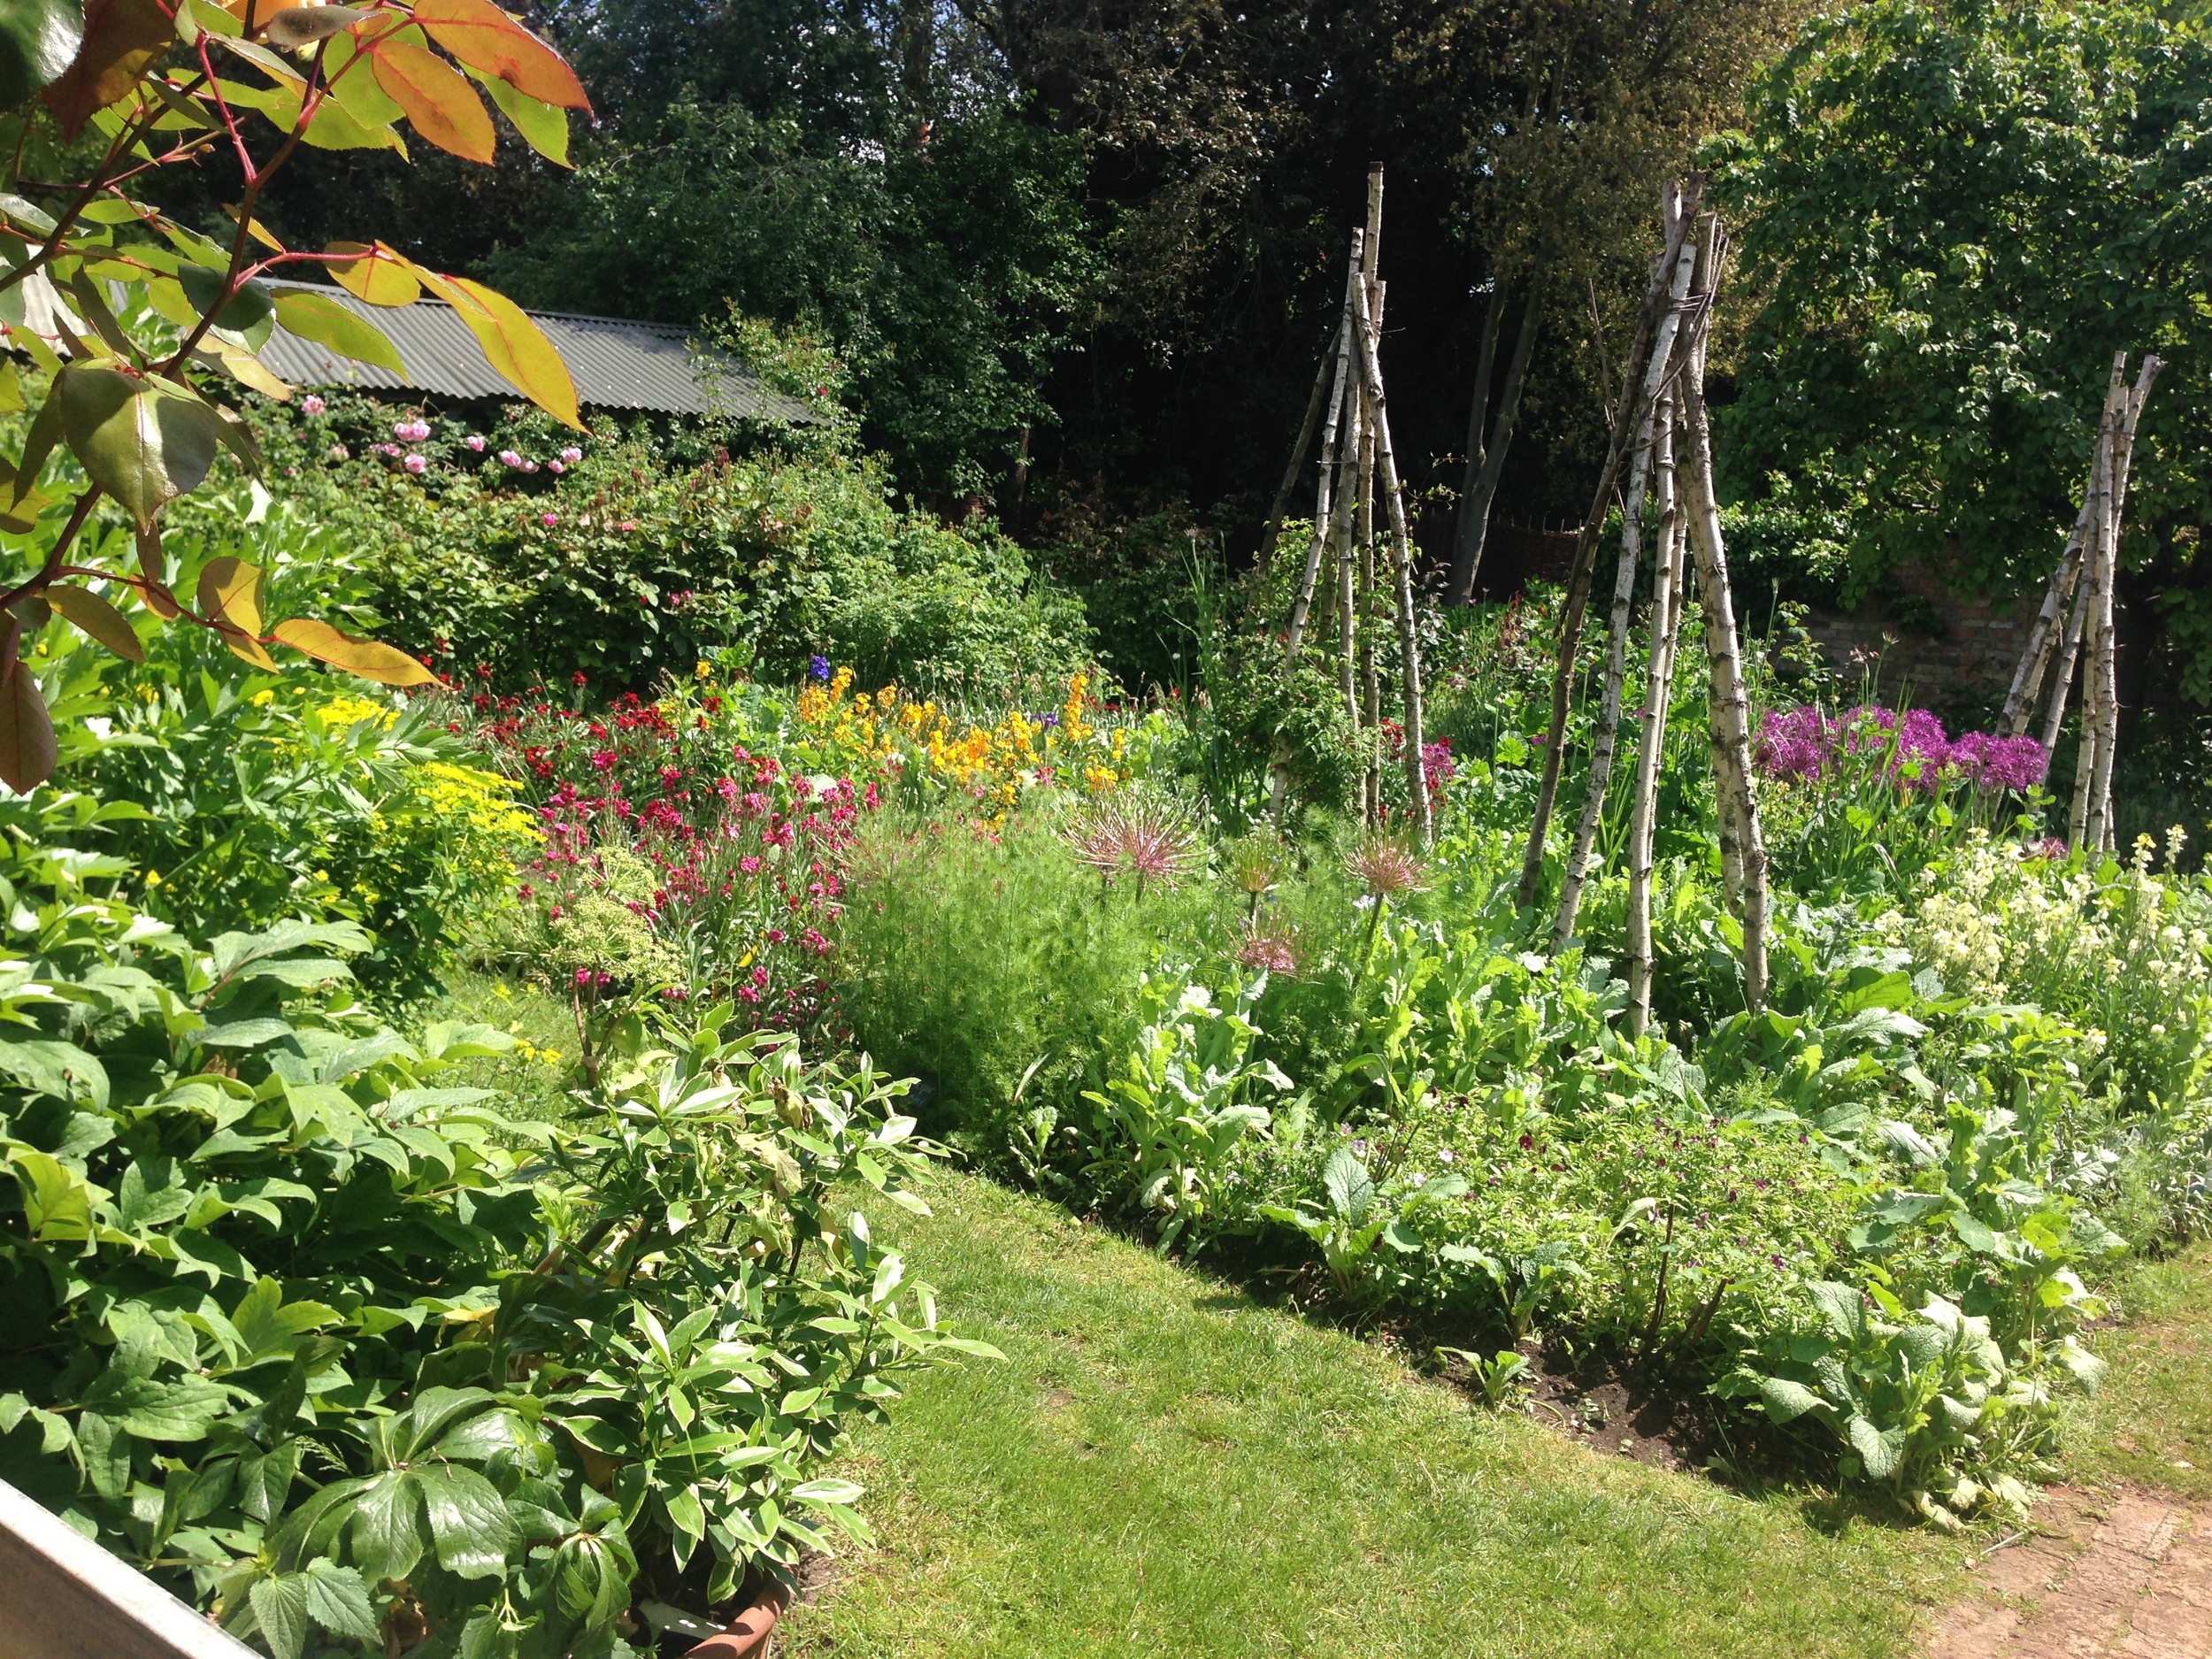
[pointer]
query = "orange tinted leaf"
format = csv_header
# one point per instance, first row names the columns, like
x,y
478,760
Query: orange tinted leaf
x,y
365,658
440,102
484,37
28,751
97,618
230,591
377,274
513,345
121,37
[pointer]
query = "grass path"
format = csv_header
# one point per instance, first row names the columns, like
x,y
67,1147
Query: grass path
x,y
1162,1467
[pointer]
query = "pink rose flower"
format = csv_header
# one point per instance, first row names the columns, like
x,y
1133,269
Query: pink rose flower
x,y
414,464
475,442
311,405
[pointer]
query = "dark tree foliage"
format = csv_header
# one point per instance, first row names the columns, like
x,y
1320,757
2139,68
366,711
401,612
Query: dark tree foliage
x,y
1108,235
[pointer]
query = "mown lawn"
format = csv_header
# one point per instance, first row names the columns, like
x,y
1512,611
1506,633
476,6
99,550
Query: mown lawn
x,y
1160,1467
2152,1421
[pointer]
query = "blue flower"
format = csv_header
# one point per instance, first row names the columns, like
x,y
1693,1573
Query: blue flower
x,y
818,666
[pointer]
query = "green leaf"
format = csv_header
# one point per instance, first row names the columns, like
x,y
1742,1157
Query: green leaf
x,y
829,1490
1880,1450
339,1601
544,126
387,1531
142,440
264,1482
39,40
468,1522
268,1325
1350,1188
248,316
1785,1399
326,322
279,1607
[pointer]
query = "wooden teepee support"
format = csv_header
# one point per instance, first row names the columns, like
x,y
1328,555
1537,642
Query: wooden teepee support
x,y
1357,464
1663,363
1673,353
1623,423
1730,706
2088,572
1666,631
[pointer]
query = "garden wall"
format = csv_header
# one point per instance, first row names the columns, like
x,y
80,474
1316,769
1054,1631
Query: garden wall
x,y
1941,648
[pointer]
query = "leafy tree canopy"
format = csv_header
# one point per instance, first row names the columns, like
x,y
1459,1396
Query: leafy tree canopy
x,y
1955,214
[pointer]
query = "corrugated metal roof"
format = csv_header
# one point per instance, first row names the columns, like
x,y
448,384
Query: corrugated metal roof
x,y
615,364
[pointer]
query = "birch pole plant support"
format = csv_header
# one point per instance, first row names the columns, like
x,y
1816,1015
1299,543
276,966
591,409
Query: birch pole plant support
x,y
2044,635
1393,498
1731,723
1604,736
1666,630
1620,424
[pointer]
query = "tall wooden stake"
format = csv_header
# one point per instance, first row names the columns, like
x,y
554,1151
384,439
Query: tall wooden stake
x,y
1666,627
1302,604
2086,825
1604,737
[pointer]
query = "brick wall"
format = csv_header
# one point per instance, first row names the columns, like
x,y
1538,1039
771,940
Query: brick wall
x,y
1971,661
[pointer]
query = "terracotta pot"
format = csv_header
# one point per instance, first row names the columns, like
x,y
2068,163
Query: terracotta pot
x,y
745,1636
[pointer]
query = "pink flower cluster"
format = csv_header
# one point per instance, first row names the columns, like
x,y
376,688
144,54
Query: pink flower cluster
x,y
412,431
1805,744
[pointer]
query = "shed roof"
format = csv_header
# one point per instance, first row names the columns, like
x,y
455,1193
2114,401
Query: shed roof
x,y
616,363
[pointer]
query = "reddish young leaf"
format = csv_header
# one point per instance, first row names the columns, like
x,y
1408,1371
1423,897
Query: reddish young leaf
x,y
121,37
484,37
365,658
440,102
28,749
154,568
377,274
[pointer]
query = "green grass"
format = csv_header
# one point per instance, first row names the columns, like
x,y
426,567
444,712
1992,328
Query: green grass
x,y
1163,1467
2154,1411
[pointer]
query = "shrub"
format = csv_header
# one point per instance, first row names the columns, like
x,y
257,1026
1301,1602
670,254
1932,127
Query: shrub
x,y
289,1334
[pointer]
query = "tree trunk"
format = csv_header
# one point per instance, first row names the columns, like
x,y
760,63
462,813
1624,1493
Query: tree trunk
x,y
1586,560
1732,754
1482,478
1666,623
1604,738
1409,641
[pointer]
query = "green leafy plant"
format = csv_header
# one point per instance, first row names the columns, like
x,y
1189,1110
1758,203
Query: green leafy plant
x,y
1164,1128
1357,1215
1926,1405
